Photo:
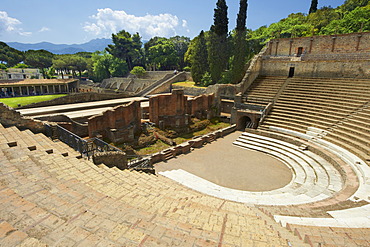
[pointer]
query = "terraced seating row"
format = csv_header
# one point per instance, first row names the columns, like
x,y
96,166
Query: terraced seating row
x,y
317,102
349,215
263,89
327,222
58,200
314,178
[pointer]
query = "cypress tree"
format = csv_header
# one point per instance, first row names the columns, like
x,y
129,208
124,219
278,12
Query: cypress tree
x,y
313,7
199,64
240,44
218,47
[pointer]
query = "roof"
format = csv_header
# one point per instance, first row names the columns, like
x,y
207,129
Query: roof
x,y
38,82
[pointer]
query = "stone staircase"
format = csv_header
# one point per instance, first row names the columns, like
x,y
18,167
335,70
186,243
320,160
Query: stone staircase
x,y
51,199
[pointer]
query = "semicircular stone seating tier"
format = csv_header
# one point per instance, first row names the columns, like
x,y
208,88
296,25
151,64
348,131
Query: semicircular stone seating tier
x,y
49,197
314,179
353,217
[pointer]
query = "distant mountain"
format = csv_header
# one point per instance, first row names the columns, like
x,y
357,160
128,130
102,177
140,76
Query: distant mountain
x,y
91,46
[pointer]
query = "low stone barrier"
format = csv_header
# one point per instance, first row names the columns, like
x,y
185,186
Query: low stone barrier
x,y
111,159
186,147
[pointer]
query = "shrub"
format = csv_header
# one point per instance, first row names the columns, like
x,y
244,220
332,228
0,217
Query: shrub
x,y
206,80
138,71
199,125
187,69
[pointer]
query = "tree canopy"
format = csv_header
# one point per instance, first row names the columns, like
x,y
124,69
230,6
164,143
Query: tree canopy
x,y
39,59
218,49
9,55
127,47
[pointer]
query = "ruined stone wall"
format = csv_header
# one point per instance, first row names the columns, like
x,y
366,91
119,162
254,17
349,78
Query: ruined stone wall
x,y
193,91
202,106
116,122
330,56
330,69
9,117
169,110
343,43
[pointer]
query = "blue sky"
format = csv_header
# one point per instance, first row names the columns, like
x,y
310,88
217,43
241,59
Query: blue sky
x,y
78,21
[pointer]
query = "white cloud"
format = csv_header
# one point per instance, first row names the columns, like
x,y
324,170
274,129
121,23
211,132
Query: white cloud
x,y
108,21
9,24
44,29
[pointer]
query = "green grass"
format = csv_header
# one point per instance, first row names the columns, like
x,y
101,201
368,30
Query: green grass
x,y
156,147
186,84
210,128
14,101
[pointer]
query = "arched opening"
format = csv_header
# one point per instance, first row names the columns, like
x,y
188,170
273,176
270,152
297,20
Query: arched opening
x,y
245,122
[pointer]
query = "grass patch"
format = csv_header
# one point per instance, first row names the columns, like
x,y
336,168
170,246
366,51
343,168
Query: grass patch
x,y
14,101
156,147
186,84
215,125
160,145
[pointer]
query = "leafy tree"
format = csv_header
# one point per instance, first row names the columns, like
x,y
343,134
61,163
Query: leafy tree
x,y
218,53
354,21
240,44
41,59
161,53
105,66
181,44
321,18
70,63
9,55
313,7
350,5
206,80
138,71
21,66
127,47
199,60
60,63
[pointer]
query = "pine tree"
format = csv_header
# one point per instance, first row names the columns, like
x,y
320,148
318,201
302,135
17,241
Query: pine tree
x,y
218,53
240,44
199,64
313,7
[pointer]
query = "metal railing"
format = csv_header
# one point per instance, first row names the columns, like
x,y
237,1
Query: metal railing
x,y
89,147
74,141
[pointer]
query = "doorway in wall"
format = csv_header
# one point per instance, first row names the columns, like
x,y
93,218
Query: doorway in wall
x,y
291,71
300,51
244,122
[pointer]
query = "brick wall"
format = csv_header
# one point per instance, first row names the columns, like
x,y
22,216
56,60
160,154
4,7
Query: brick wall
x,y
343,43
201,106
170,109
332,56
111,123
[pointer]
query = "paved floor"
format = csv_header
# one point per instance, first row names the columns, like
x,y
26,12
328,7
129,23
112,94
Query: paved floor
x,y
233,167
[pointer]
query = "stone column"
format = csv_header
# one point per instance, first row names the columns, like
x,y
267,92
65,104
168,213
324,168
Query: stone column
x,y
28,90
20,91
